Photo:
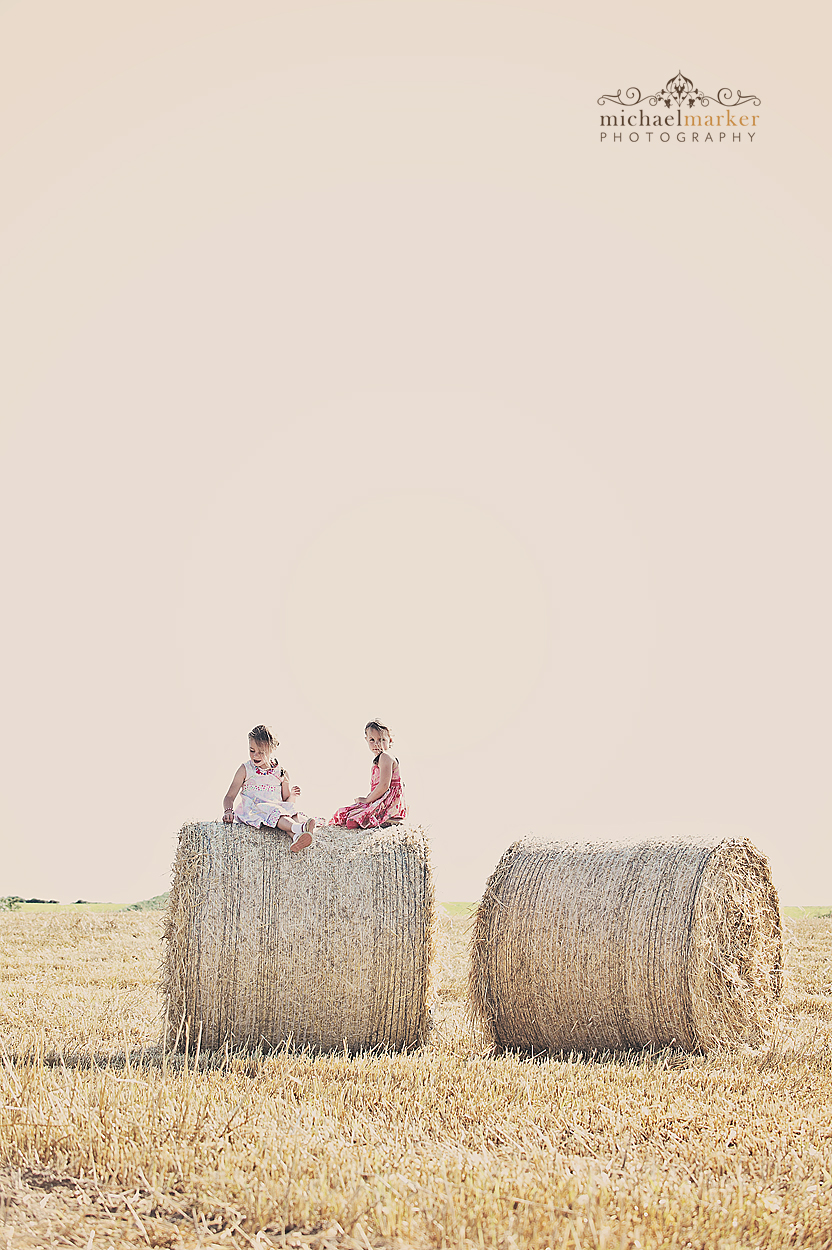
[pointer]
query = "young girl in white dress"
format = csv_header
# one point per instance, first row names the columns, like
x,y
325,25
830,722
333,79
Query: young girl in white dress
x,y
265,796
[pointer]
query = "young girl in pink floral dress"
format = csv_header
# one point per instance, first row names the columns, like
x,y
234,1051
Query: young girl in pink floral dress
x,y
265,796
385,804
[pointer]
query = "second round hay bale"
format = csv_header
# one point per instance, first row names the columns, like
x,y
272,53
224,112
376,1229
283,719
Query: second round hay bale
x,y
612,946
329,947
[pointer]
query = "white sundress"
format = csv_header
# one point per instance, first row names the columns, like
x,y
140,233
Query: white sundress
x,y
260,801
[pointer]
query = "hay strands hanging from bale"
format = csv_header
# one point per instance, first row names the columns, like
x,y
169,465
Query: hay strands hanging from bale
x,y
614,946
329,948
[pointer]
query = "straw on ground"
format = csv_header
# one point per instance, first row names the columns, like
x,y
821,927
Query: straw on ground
x,y
107,1142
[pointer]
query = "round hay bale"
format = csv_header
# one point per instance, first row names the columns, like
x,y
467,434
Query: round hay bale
x,y
328,947
614,946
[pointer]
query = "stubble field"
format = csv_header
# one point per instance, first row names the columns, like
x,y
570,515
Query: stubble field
x,y
106,1141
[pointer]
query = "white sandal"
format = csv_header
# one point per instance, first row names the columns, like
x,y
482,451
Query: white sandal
x,y
303,839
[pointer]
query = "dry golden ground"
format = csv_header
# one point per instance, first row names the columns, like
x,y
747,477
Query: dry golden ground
x,y
107,1142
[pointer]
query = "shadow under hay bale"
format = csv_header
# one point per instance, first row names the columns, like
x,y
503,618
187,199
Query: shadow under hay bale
x,y
328,947
616,946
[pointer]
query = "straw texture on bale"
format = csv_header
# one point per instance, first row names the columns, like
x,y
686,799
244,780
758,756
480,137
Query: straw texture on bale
x,y
329,947
615,946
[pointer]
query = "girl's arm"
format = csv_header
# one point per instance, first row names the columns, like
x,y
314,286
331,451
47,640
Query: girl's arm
x,y
285,792
385,768
233,790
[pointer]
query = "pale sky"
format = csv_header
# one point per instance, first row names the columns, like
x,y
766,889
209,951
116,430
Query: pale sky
x,y
348,374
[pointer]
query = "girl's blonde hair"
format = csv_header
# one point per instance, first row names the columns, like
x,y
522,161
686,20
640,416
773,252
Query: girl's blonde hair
x,y
263,735
379,728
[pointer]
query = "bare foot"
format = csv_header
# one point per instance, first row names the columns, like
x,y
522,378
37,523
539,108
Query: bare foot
x,y
303,839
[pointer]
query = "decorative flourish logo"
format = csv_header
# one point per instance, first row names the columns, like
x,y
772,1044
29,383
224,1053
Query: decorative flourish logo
x,y
680,90
679,96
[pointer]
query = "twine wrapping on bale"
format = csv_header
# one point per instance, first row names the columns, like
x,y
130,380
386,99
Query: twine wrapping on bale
x,y
616,946
328,947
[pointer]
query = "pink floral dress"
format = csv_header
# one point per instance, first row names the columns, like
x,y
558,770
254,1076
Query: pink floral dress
x,y
389,809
